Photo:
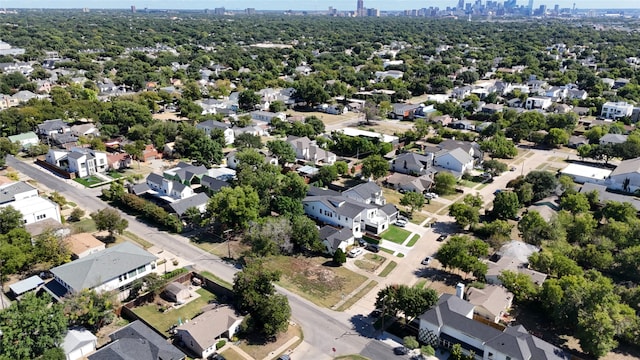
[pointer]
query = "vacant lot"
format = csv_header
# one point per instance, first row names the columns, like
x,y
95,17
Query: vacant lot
x,y
314,279
162,321
370,262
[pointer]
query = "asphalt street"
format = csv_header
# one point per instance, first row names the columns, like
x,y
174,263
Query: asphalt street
x,y
324,330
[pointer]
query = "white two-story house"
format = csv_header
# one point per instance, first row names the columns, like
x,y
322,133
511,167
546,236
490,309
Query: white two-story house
x,y
308,150
82,161
616,110
211,125
341,211
456,160
169,190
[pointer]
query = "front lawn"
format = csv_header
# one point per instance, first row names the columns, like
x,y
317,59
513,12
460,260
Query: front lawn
x,y
395,234
370,262
84,225
314,279
388,269
114,174
414,240
89,181
162,321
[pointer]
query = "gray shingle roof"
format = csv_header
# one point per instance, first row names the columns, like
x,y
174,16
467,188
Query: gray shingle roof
x,y
97,268
52,125
213,184
212,124
341,205
155,178
365,190
335,236
413,159
180,206
137,341
8,192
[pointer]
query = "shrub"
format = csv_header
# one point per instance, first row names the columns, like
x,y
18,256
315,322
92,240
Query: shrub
x,y
411,342
339,257
220,344
427,350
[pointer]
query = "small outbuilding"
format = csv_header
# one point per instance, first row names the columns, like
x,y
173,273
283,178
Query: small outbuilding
x,y
26,285
176,292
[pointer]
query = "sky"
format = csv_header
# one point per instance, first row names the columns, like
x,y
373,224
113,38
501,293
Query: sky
x,y
293,4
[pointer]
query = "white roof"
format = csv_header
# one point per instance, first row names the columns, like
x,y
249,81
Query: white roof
x,y
32,204
357,132
586,171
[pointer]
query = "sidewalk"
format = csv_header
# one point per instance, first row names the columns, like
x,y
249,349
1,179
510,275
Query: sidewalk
x,y
352,294
284,348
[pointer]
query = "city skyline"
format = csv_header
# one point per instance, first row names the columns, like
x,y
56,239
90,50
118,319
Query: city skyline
x,y
314,5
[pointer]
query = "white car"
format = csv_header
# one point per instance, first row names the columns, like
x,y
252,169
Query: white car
x,y
400,223
355,252
430,196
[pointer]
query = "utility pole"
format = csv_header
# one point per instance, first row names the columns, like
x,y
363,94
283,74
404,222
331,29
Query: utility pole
x,y
1,284
228,240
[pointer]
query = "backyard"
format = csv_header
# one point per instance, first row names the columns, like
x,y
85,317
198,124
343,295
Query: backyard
x,y
162,321
312,279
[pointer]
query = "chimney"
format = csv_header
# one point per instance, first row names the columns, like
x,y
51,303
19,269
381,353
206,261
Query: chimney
x,y
460,290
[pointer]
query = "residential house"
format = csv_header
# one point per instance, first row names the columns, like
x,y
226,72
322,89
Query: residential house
x,y
412,163
83,244
334,239
421,184
443,120
117,161
150,153
82,161
586,174
26,95
110,269
308,150
491,302
78,343
557,92
626,173
456,160
212,125
492,108
462,125
355,132
232,162
50,127
24,198
604,195
612,139
198,201
343,212
48,224
185,173
213,185
576,94
6,101
538,102
137,341
211,106
201,334
451,322
169,190
65,141
366,193
495,268
403,111
25,139
470,147
267,116
461,92
394,74
85,130
616,110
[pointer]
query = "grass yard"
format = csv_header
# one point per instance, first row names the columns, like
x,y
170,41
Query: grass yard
x,y
370,262
261,350
387,250
351,357
420,284
231,354
115,174
310,278
355,298
216,279
418,217
142,242
392,196
395,234
433,207
84,225
89,181
414,240
388,269
163,321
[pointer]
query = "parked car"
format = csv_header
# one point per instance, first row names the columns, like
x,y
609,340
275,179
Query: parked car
x,y
373,248
284,357
400,223
426,261
375,313
400,217
460,190
400,350
362,242
442,238
217,357
513,168
355,252
430,195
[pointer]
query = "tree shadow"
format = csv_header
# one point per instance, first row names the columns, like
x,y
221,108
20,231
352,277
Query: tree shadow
x,y
445,227
439,275
362,325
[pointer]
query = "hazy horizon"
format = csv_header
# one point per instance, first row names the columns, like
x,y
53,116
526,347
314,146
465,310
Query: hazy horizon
x,y
292,5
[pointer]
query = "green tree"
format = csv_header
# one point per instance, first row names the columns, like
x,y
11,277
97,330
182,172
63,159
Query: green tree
x,y
247,100
506,205
10,219
464,253
327,174
375,166
89,309
339,257
413,200
282,150
341,167
575,203
499,147
76,214
533,227
465,215
543,183
494,167
305,234
520,285
444,183
109,219
556,137
235,207
247,140
31,327
255,294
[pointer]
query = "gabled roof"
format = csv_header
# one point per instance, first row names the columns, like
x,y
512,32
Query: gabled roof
x,y
93,270
335,236
340,205
413,159
213,184
316,191
365,190
155,178
613,138
459,155
137,341
52,125
76,338
627,167
207,327
212,124
495,299
180,206
24,136
81,242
